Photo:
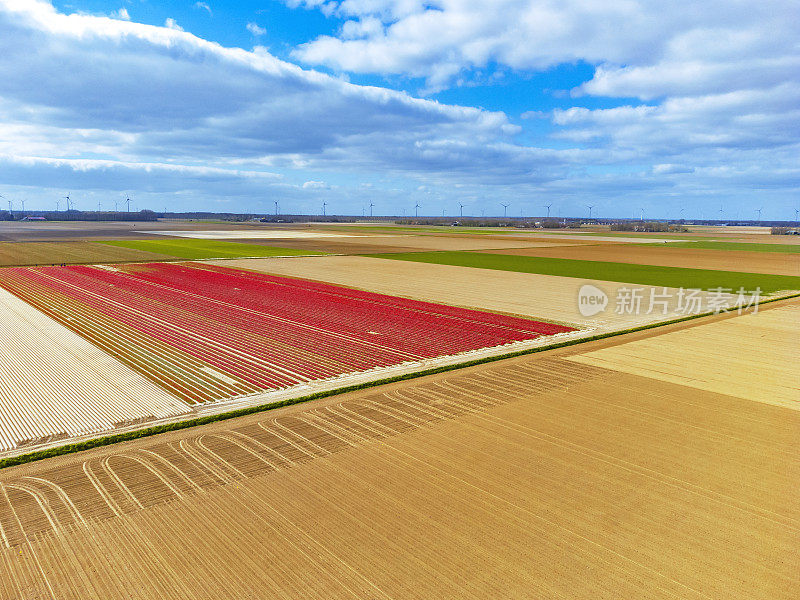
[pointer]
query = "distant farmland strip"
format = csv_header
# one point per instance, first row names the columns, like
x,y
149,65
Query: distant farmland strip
x,y
49,253
197,249
609,271
737,246
207,333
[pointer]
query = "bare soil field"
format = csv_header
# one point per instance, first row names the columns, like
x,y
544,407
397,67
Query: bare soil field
x,y
55,384
531,478
49,253
755,356
653,254
541,296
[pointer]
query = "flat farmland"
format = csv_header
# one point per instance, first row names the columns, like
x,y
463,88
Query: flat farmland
x,y
202,248
531,295
49,253
535,477
209,333
365,244
54,384
681,255
624,272
761,366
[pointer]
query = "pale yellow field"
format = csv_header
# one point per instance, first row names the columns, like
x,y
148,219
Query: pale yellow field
x,y
540,296
754,356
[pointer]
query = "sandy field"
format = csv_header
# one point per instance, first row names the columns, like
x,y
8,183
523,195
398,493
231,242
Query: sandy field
x,y
545,297
754,356
54,383
716,260
532,478
48,253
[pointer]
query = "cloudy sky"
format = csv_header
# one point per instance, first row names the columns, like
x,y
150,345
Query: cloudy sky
x,y
674,109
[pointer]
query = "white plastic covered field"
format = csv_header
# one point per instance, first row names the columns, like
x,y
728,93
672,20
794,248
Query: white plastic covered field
x,y
54,383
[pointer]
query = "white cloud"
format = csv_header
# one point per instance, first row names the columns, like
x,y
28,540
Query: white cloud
x,y
121,14
204,6
688,43
170,23
315,185
255,29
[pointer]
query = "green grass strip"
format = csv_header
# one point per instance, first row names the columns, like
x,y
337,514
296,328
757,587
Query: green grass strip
x,y
606,271
150,431
199,249
738,246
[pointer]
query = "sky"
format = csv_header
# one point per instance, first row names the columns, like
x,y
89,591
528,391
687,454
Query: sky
x,y
634,107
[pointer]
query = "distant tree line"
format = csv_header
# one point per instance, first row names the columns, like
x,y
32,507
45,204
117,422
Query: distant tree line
x,y
648,226
80,215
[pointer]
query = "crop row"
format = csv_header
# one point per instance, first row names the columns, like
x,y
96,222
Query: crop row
x,y
206,333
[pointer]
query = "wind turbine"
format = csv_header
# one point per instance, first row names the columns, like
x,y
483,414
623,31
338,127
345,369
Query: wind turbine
x,y
23,205
67,199
57,206
371,204
720,213
276,208
590,211
116,204
758,210
505,209
547,206
461,209
324,204
416,209
796,213
641,218
128,200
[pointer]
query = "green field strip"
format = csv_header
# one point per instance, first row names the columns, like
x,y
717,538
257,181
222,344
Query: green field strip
x,y
738,246
674,277
201,249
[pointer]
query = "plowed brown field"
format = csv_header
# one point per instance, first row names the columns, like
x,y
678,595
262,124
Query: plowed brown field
x,y
532,478
653,254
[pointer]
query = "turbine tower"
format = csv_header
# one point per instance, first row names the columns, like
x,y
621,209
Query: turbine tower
x,y
547,206
505,209
324,204
416,209
67,199
641,217
591,206
371,205
276,208
758,210
128,200
461,209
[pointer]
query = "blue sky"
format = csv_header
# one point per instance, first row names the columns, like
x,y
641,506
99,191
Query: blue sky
x,y
234,105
